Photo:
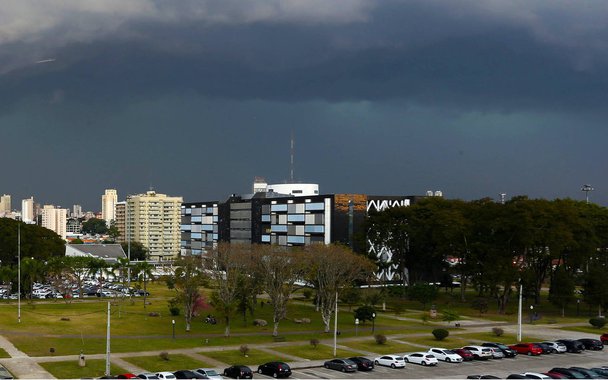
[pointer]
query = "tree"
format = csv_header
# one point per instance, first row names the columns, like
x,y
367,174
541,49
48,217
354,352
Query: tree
x,y
95,226
186,282
225,264
562,289
77,241
143,271
138,251
333,268
365,313
279,269
423,293
32,271
113,232
37,242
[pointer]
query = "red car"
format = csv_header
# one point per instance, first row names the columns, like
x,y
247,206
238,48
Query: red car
x,y
604,338
527,348
127,376
466,354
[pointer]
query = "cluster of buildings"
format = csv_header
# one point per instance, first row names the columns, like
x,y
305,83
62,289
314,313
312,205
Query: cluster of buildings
x,y
288,214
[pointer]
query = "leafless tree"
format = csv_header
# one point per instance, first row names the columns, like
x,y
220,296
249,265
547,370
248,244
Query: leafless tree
x,y
186,282
279,269
331,268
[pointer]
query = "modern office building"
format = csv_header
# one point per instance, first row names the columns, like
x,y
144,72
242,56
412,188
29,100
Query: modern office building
x,y
54,219
120,221
5,204
154,220
27,210
108,205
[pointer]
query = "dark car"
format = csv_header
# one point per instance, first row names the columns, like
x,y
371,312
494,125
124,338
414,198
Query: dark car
x,y
187,374
238,372
363,364
466,354
344,365
275,369
545,347
570,373
517,376
509,353
572,345
592,344
588,373
482,377
601,371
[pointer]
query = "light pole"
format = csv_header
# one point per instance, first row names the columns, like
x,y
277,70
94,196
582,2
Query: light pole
x,y
531,313
356,326
373,322
336,327
519,311
587,188
173,323
19,272
578,305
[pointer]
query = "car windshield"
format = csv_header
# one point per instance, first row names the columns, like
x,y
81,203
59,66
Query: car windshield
x,y
348,361
211,372
502,346
449,352
398,358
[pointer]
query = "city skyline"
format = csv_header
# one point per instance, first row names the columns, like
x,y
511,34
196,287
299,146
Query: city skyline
x,y
197,98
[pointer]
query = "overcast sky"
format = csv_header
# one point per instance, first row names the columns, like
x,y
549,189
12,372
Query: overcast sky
x,y
196,98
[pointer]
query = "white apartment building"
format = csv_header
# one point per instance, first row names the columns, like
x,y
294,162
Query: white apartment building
x,y
27,210
5,204
55,219
108,206
154,220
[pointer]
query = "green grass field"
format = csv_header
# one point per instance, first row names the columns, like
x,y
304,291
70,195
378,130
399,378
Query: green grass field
x,y
312,353
371,346
175,362
234,356
71,369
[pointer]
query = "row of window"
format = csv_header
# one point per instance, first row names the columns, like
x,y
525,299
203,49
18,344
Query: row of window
x,y
298,207
298,230
290,239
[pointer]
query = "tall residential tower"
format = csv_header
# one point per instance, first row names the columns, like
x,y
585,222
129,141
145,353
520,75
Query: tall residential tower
x,y
108,206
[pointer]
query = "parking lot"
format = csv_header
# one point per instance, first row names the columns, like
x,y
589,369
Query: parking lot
x,y
501,368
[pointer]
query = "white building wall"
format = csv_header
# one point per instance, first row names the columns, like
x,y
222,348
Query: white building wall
x,y
27,210
108,205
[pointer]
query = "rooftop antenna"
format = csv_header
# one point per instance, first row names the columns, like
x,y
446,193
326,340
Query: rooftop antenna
x,y
291,164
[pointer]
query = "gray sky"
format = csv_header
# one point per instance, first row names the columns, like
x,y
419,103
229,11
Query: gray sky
x,y
195,98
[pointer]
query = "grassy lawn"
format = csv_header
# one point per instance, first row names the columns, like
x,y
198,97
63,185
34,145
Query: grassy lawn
x,y
4,354
319,353
586,329
175,362
71,369
474,338
231,357
387,348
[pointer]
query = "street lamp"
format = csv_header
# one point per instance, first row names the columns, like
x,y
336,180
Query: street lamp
x,y
531,313
587,188
173,323
578,305
356,326
373,322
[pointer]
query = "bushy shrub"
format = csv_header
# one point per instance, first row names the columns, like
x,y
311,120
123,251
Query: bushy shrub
x,y
598,322
497,331
164,356
364,313
380,339
440,334
244,349
314,342
307,293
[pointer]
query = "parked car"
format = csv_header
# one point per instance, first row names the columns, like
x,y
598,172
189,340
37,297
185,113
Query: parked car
x,y
570,373
126,376
147,376
592,344
547,349
209,373
479,352
188,374
422,358
238,372
517,376
536,375
555,375
482,377
275,369
588,373
572,345
557,347
509,353
445,355
343,365
601,371
465,354
363,364
604,338
527,348
393,361
496,353
165,375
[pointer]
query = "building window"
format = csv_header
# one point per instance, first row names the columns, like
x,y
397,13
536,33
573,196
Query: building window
x,y
315,206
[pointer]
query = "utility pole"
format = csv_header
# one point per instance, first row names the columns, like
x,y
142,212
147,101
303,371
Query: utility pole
x,y
519,314
107,373
336,327
19,272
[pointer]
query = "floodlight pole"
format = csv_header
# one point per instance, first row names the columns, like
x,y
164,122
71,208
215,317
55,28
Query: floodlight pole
x,y
519,314
19,272
107,373
336,327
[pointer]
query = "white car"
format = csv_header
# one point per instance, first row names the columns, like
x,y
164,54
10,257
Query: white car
x,y
210,373
147,376
393,361
536,375
445,355
165,376
558,348
422,358
480,352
